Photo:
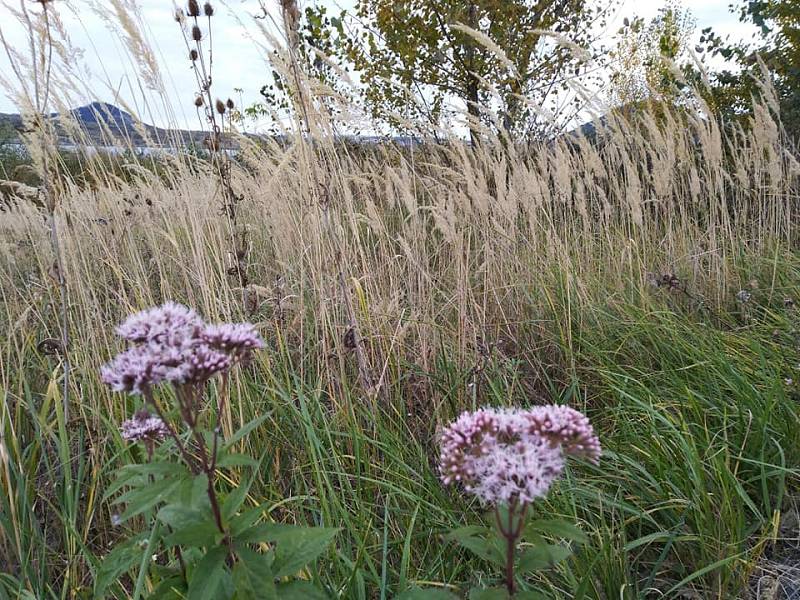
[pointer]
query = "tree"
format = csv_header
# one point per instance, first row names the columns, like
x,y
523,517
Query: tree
x,y
776,46
649,58
500,59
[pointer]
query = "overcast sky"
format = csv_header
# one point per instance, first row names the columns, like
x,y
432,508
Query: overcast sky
x,y
109,73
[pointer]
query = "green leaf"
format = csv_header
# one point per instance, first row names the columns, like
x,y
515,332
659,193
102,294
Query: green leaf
x,y
300,590
190,526
495,593
210,579
244,521
244,431
172,588
120,560
139,500
481,547
296,547
252,576
235,459
236,498
558,528
138,475
426,594
542,557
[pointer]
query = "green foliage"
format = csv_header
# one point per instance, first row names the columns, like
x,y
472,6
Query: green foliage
x,y
649,58
419,57
773,55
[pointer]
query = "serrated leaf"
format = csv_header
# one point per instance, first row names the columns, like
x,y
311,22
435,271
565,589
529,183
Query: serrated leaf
x,y
172,588
542,557
482,547
296,547
300,590
558,528
244,521
210,579
141,499
120,560
252,577
190,526
138,475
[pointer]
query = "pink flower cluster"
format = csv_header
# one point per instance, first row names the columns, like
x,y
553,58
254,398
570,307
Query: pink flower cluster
x,y
144,427
171,343
513,456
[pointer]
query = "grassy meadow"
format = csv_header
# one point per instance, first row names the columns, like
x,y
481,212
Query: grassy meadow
x,y
649,277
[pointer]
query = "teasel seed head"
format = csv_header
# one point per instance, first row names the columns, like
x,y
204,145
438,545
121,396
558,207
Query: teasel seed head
x,y
208,10
220,106
197,35
193,9
229,104
193,55
198,102
179,18
291,17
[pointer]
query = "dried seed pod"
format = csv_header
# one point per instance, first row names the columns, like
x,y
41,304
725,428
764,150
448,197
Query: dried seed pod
x,y
193,9
220,106
193,55
198,102
197,35
212,143
208,10
229,104
50,347
179,15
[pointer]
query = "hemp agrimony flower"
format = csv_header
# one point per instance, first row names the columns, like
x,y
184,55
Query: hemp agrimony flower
x,y
513,456
172,344
146,428
507,458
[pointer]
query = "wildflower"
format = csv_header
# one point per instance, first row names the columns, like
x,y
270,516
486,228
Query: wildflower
x,y
144,427
743,296
169,320
513,456
172,344
237,339
567,427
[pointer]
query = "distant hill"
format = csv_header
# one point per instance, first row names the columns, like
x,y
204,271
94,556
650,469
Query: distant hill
x,y
105,124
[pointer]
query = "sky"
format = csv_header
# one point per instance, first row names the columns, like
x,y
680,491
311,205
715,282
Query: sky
x,y
100,66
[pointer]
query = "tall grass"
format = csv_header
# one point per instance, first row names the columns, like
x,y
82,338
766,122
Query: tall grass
x,y
600,272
